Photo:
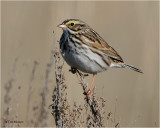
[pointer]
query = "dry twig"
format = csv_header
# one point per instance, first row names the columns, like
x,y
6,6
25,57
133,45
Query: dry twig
x,y
30,87
43,109
8,97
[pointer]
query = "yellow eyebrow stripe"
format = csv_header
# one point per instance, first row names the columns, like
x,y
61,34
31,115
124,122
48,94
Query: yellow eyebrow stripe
x,y
71,22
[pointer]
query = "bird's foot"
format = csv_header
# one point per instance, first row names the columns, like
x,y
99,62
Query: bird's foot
x,y
87,93
73,70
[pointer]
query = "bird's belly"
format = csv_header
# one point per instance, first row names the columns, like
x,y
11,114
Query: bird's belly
x,y
88,63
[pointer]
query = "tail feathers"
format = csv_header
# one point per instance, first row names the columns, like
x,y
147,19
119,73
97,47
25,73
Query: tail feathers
x,y
133,68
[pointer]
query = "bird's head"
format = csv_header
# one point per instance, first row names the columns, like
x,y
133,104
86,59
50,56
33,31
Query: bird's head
x,y
73,25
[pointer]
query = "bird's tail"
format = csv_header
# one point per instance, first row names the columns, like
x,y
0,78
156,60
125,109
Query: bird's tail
x,y
133,68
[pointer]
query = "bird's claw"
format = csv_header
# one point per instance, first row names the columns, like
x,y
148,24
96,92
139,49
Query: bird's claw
x,y
73,70
87,93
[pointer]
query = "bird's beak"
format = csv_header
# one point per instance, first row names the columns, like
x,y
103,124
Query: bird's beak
x,y
61,26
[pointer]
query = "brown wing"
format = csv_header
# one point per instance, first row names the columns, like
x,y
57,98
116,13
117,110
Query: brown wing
x,y
93,39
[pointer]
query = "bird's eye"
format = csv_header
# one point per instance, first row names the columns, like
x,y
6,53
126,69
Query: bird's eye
x,y
72,24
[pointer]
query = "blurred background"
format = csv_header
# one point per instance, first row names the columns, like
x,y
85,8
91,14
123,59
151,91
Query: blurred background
x,y
30,33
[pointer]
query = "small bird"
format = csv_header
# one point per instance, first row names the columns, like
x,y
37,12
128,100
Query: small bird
x,y
84,49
